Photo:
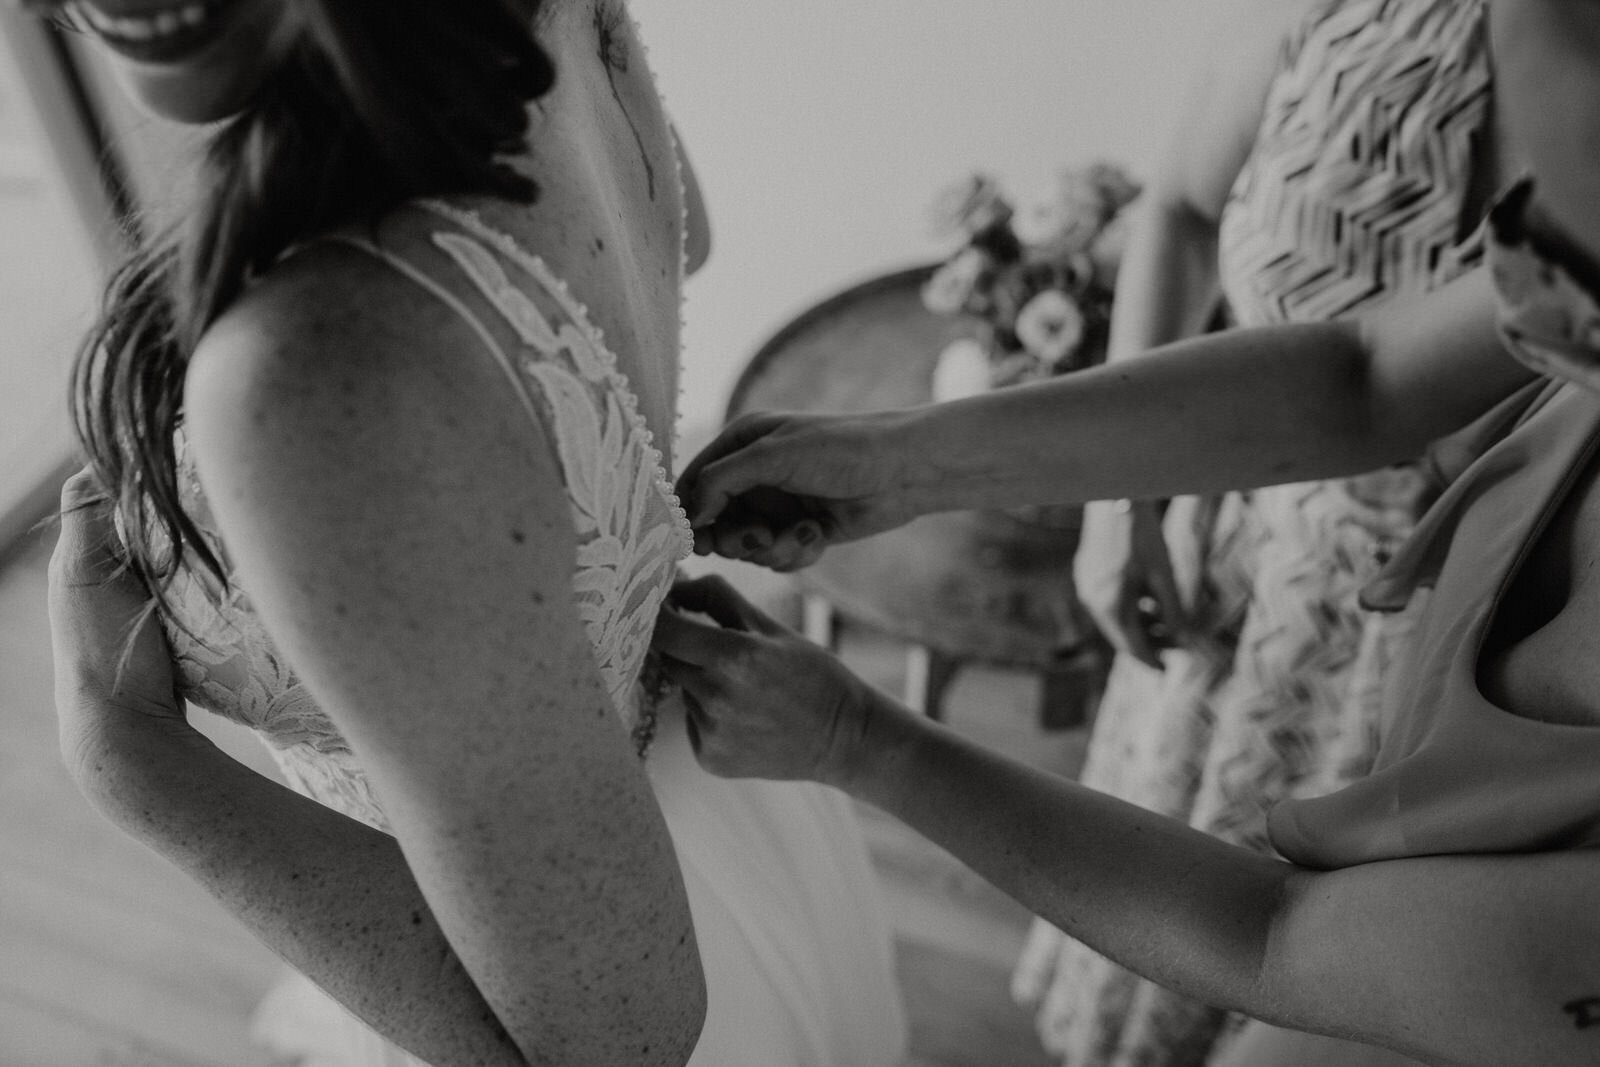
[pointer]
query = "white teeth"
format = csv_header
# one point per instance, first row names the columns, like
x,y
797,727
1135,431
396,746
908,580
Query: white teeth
x,y
145,27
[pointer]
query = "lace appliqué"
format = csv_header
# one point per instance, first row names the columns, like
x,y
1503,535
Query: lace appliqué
x,y
227,664
616,481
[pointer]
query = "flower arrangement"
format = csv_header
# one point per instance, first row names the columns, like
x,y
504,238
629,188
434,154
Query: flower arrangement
x,y
1038,285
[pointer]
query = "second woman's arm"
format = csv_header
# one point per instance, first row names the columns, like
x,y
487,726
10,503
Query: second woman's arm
x,y
1167,288
1474,959
1227,411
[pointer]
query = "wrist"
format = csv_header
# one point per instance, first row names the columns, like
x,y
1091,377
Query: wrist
x,y
876,733
136,769
929,472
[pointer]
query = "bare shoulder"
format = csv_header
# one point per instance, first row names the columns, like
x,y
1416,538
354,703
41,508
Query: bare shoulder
x,y
329,321
1224,102
339,363
399,523
338,404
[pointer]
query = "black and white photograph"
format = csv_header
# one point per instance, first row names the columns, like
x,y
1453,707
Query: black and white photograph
x,y
867,533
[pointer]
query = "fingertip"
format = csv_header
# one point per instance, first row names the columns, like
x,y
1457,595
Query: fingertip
x,y
700,514
725,542
743,541
810,553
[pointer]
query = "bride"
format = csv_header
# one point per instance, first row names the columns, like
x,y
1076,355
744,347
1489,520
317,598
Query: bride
x,y
378,440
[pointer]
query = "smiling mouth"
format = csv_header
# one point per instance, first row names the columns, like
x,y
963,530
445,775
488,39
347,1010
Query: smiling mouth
x,y
154,36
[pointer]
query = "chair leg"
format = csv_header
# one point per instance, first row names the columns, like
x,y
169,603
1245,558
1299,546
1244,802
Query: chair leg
x,y
1071,687
818,622
929,675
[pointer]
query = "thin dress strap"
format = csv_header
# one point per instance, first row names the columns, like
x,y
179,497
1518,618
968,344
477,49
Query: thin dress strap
x,y
454,303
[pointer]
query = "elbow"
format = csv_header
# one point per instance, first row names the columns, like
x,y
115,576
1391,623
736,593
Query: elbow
x,y
676,1001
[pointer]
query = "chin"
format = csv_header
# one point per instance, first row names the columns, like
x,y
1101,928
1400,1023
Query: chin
x,y
199,71
183,98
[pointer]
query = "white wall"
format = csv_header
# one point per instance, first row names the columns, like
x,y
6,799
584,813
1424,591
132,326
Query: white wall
x,y
56,234
823,129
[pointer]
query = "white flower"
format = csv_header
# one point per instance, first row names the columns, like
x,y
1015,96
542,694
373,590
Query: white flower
x,y
1050,326
947,292
962,370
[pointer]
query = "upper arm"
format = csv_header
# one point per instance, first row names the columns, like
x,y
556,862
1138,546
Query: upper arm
x,y
1454,959
403,532
1167,281
1222,109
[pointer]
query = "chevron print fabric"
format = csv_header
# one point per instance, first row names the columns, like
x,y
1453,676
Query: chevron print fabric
x,y
1359,189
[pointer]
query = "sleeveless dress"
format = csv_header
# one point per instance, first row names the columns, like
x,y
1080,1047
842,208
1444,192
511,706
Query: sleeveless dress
x,y
1354,194
1455,773
786,908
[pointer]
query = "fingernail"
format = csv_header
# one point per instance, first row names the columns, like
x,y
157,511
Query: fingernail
x,y
806,534
750,541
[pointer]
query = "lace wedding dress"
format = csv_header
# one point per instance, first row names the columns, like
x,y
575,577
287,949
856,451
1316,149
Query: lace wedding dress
x,y
786,909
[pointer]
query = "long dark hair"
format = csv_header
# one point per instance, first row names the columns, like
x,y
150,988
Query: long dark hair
x,y
379,102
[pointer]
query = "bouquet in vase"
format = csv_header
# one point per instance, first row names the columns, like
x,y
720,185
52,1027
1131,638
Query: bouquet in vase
x,y
1038,286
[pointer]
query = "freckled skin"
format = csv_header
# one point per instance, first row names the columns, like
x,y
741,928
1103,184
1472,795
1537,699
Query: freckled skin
x,y
404,534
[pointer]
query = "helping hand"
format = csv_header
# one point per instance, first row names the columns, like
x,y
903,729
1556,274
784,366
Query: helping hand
x,y
1123,575
763,701
776,490
113,670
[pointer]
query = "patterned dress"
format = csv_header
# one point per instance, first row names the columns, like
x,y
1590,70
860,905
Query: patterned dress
x,y
1356,192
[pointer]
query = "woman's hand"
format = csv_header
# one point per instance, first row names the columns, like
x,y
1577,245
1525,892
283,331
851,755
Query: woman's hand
x,y
1123,574
777,489
763,701
113,670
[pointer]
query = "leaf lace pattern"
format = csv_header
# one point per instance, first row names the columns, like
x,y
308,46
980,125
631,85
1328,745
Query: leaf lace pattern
x,y
631,533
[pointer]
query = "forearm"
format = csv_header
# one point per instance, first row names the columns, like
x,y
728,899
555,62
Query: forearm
x,y
1228,411
332,896
1168,902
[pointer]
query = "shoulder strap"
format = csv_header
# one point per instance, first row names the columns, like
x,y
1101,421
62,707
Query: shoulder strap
x,y
455,304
